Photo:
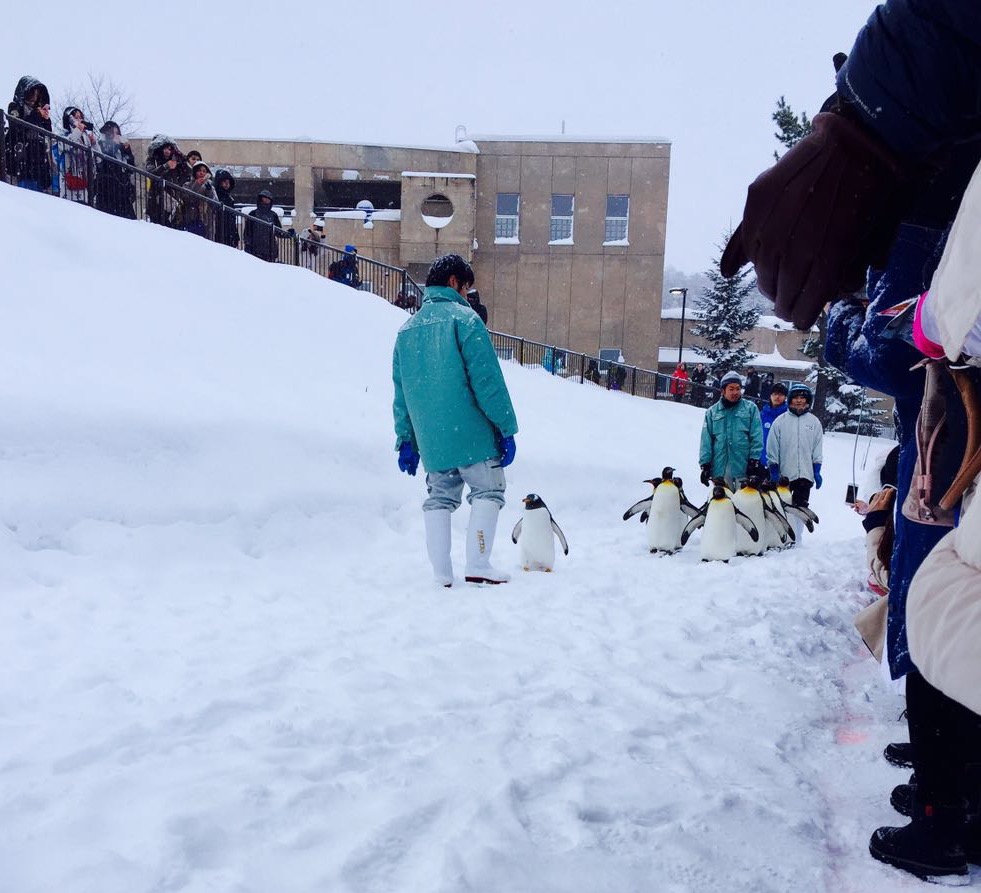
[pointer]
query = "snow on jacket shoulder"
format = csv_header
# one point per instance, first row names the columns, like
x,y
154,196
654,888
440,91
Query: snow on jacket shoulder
x,y
794,444
943,612
450,394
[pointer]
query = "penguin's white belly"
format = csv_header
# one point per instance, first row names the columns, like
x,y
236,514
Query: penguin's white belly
x,y
537,542
752,507
719,532
664,530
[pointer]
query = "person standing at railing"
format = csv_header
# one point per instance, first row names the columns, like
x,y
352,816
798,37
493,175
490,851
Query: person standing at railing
x,y
226,221
164,160
199,213
473,299
679,382
28,153
79,164
263,229
114,190
345,269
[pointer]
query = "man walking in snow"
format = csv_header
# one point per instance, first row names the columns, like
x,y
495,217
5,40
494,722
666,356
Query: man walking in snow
x,y
452,409
732,435
793,447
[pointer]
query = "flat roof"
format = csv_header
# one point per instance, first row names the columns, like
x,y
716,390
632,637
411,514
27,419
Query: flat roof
x,y
452,147
563,138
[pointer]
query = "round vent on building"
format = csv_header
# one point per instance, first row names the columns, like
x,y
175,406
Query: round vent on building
x,y
437,211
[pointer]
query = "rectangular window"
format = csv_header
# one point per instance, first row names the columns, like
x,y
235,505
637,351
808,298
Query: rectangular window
x,y
560,232
617,214
506,222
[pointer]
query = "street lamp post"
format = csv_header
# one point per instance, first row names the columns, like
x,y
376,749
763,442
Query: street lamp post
x,y
684,297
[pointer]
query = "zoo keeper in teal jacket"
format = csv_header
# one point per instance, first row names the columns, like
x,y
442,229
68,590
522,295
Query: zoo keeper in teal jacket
x,y
732,435
452,409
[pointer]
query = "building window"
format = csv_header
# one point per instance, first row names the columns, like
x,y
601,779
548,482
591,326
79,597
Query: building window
x,y
560,232
506,222
617,213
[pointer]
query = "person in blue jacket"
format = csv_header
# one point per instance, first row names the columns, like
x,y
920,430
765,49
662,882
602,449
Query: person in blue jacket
x,y
876,184
775,406
453,411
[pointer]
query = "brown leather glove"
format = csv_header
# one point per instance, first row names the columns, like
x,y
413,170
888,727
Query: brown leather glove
x,y
816,220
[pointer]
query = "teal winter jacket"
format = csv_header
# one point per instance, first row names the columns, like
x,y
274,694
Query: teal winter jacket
x,y
731,436
450,395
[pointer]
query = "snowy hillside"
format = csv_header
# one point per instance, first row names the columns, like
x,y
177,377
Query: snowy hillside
x,y
225,667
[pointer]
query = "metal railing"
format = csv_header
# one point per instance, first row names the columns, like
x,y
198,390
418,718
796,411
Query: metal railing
x,y
47,162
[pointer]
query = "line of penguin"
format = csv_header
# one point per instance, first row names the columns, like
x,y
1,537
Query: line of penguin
x,y
758,516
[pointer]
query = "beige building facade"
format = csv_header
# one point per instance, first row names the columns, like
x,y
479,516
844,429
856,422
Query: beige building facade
x,y
566,235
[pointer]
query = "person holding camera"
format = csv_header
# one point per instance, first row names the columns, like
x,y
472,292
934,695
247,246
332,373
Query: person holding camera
x,y
168,166
226,221
27,151
114,190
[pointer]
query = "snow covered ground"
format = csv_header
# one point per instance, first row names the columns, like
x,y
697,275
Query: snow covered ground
x,y
225,667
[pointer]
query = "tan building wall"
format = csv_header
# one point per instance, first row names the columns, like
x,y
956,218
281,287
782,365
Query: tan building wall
x,y
587,295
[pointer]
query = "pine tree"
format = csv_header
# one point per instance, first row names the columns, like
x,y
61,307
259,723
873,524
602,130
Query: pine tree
x,y
728,312
791,127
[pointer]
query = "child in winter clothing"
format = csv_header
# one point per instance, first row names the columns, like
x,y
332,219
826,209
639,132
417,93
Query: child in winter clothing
x,y
452,409
776,405
793,448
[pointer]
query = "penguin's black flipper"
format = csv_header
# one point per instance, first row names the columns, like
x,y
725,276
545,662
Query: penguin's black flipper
x,y
744,521
686,506
561,536
784,529
804,513
644,516
693,525
516,532
637,507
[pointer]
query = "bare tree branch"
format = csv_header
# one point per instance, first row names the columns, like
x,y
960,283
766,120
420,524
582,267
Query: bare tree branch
x,y
102,99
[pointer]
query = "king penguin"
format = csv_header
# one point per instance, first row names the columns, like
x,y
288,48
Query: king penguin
x,y
779,533
535,528
750,502
666,512
719,517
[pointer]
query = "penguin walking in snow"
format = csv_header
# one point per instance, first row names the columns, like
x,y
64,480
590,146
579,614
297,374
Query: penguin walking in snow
x,y
778,533
799,516
665,512
719,516
749,501
535,528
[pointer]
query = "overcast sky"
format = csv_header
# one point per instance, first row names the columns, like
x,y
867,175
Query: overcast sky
x,y
704,74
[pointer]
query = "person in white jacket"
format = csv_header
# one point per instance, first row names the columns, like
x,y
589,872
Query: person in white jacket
x,y
943,611
794,446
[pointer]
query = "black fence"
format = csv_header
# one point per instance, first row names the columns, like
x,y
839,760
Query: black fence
x,y
38,159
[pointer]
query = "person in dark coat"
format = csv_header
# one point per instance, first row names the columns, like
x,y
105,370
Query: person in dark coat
x,y
199,213
751,389
766,385
345,269
473,299
165,161
699,378
28,152
774,407
264,229
114,190
226,220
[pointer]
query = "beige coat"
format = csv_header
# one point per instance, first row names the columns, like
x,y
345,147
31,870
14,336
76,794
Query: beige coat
x,y
943,610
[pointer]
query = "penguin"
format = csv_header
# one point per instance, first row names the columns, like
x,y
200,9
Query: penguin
x,y
799,516
719,517
535,528
665,512
779,533
749,501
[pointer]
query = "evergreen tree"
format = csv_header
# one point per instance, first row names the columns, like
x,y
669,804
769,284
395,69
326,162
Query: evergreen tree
x,y
728,313
791,127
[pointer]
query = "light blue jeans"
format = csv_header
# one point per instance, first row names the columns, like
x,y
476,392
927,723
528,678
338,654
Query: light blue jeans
x,y
485,480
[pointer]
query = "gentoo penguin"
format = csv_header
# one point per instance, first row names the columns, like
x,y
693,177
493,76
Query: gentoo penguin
x,y
664,512
779,533
535,528
719,517
749,501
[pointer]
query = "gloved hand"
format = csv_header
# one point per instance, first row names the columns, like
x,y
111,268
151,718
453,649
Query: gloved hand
x,y
753,468
507,447
839,188
817,475
774,472
706,475
408,458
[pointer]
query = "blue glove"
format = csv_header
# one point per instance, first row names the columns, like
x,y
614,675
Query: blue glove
x,y
817,475
507,447
408,458
774,472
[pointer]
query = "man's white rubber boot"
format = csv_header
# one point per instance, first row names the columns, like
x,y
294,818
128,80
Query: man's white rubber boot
x,y
438,545
480,542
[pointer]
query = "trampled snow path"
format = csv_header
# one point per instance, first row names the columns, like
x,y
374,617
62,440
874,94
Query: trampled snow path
x,y
225,668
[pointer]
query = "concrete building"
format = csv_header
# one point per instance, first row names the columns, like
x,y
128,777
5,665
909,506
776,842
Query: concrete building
x,y
566,235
